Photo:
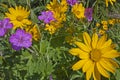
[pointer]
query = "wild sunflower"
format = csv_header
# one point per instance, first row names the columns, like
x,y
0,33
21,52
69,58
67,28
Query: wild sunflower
x,y
18,16
96,56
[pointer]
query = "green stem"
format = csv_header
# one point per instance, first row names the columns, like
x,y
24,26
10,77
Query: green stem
x,y
48,48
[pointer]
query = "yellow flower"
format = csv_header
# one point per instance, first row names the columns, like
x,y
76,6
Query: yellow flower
x,y
98,24
104,22
78,10
51,28
96,56
112,22
58,9
18,16
56,6
105,27
33,30
111,2
101,31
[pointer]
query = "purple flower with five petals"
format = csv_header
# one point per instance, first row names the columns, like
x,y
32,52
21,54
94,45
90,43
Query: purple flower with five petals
x,y
72,2
20,39
5,25
46,16
88,13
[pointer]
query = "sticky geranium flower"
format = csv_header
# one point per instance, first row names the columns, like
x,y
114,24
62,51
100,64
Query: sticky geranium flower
x,y
96,56
88,13
46,16
20,39
72,2
5,25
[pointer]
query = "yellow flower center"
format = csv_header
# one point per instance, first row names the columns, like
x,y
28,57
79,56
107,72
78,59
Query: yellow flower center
x,y
95,55
19,18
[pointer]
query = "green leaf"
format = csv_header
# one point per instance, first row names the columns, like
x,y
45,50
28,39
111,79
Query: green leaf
x,y
1,61
117,75
33,16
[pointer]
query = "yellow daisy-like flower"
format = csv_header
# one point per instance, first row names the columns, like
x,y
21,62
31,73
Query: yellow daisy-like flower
x,y
33,30
18,16
111,2
78,10
96,56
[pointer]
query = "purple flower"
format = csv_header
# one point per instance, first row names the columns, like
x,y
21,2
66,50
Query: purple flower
x,y
46,16
72,2
88,13
50,78
4,26
20,39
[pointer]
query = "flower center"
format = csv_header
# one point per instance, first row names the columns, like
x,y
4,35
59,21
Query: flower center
x,y
19,18
95,55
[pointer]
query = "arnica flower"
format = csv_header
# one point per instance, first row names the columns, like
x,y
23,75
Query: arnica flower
x,y
78,10
111,2
5,25
96,56
46,16
88,13
18,16
72,2
20,39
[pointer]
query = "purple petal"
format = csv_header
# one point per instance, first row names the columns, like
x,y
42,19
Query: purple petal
x,y
9,25
16,47
2,31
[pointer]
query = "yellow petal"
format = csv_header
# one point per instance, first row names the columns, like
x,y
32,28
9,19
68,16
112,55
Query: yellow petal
x,y
94,40
111,54
89,72
107,65
106,49
106,1
101,41
84,55
75,51
79,64
114,63
107,43
96,74
82,46
102,70
87,65
87,39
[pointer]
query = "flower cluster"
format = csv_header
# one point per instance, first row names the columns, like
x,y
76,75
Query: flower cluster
x,y
106,25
